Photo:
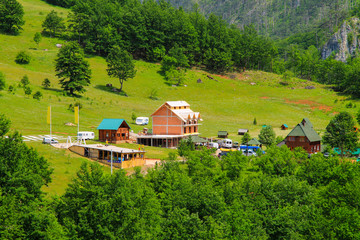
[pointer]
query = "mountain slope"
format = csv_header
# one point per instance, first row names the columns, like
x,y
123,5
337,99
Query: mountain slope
x,y
274,17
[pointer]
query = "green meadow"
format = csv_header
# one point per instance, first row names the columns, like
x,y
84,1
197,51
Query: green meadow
x,y
227,102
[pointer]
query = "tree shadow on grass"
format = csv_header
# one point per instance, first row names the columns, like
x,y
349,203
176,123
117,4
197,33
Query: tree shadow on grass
x,y
112,90
54,90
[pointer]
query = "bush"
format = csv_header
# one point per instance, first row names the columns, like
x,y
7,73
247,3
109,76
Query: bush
x,y
27,91
46,83
12,89
133,117
23,58
154,95
72,106
37,95
24,81
2,81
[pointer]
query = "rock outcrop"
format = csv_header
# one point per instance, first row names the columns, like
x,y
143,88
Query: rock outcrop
x,y
344,42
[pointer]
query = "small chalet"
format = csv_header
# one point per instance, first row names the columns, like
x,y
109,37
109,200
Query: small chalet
x,y
304,135
171,122
242,131
254,142
284,127
113,130
223,134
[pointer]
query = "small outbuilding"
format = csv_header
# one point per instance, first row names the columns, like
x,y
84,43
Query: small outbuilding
x,y
254,142
113,130
223,134
284,127
242,131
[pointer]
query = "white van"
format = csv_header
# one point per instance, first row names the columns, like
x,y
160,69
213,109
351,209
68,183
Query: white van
x,y
142,121
226,143
85,135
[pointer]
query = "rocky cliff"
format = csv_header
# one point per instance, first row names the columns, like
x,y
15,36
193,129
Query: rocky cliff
x,y
344,42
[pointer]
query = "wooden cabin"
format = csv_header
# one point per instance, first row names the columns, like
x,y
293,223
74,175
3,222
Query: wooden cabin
x,y
284,127
242,131
113,130
304,135
223,134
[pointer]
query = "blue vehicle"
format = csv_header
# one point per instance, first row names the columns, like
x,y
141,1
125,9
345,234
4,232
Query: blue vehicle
x,y
247,148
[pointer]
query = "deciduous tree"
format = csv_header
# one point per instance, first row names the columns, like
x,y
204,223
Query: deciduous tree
x,y
267,136
340,133
37,38
72,69
11,16
120,65
53,23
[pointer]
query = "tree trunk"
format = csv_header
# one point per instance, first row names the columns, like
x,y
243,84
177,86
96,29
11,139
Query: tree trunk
x,y
121,84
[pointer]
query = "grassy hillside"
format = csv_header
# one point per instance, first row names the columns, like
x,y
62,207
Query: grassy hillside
x,y
225,103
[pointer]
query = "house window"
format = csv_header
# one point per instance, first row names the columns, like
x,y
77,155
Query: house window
x,y
292,139
194,128
302,139
184,130
118,134
107,134
123,135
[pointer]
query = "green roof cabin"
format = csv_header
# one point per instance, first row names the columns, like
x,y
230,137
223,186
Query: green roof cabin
x,y
113,130
223,134
254,142
304,135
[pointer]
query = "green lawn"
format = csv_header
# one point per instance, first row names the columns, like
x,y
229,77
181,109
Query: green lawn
x,y
224,103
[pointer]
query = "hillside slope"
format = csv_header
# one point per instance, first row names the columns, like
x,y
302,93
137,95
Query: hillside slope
x,y
225,103
274,17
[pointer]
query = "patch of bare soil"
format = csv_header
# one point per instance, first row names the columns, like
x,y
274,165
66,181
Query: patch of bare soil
x,y
313,105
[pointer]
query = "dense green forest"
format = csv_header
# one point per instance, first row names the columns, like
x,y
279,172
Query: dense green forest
x,y
279,195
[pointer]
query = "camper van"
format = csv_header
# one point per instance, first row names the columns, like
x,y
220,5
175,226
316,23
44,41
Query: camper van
x,y
213,145
226,143
85,135
142,121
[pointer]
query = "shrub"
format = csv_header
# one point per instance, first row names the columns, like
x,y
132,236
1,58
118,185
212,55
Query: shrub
x,y
46,83
154,95
24,81
12,89
37,95
27,91
23,58
133,117
2,81
72,106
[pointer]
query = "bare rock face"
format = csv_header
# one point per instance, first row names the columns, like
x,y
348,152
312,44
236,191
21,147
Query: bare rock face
x,y
344,42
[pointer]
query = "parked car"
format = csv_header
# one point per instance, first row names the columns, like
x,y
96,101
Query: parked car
x,y
248,152
142,121
48,140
